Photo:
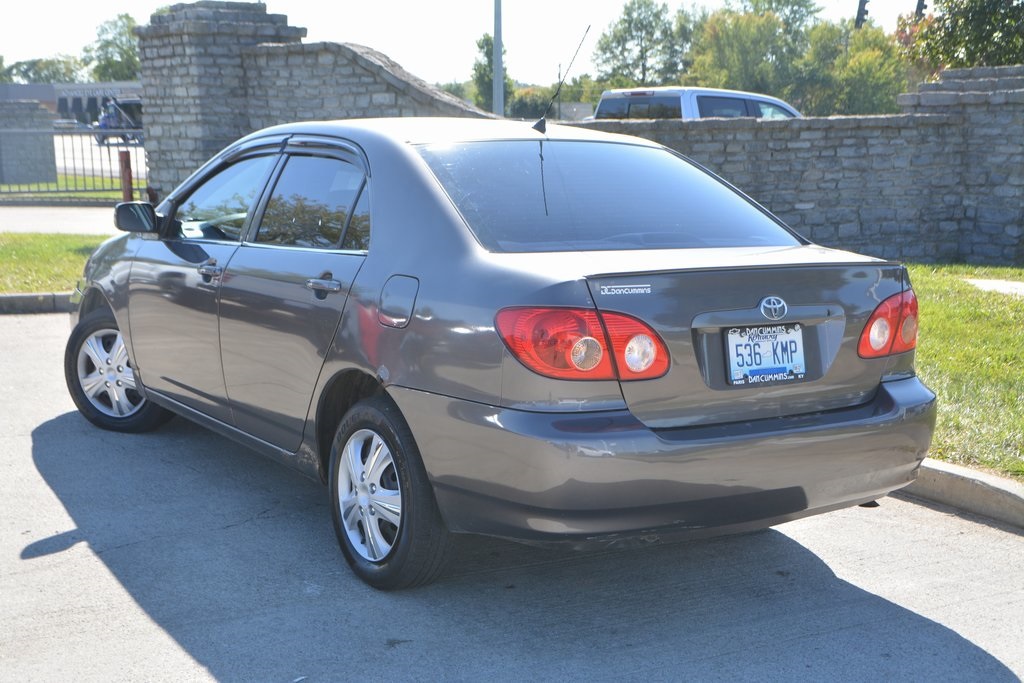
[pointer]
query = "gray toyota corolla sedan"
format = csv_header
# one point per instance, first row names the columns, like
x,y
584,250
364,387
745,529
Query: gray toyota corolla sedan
x,y
467,326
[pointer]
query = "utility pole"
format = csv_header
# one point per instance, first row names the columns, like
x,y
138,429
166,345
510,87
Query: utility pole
x,y
498,79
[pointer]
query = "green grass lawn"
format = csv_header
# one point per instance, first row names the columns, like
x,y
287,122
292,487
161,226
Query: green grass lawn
x,y
32,262
971,350
69,187
971,353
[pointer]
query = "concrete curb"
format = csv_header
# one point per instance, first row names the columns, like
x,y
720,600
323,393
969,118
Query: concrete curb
x,y
965,489
971,491
35,303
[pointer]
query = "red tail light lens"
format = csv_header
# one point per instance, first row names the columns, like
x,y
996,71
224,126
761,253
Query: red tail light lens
x,y
564,343
639,352
575,343
892,328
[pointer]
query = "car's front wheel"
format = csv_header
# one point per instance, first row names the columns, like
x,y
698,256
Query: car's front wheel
x,y
101,379
385,515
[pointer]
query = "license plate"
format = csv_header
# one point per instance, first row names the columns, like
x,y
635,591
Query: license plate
x,y
765,354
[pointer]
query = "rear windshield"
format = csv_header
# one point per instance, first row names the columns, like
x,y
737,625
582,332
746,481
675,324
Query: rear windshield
x,y
534,196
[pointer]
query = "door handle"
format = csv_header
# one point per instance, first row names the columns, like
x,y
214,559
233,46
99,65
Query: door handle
x,y
210,269
327,286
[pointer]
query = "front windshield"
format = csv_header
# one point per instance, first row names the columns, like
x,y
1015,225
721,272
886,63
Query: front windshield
x,y
537,196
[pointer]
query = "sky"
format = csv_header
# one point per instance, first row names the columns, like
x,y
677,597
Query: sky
x,y
433,40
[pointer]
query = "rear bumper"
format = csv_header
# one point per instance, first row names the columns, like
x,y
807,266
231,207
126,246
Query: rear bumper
x,y
593,478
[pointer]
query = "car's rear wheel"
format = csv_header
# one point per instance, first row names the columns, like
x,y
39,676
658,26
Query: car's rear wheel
x,y
385,515
101,379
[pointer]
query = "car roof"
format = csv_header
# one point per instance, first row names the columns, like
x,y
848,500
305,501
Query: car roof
x,y
425,130
684,89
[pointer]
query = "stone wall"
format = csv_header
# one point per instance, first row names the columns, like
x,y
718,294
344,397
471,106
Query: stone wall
x,y
215,71
26,144
942,182
988,106
287,83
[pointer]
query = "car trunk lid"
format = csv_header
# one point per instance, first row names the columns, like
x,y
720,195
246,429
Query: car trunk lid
x,y
803,307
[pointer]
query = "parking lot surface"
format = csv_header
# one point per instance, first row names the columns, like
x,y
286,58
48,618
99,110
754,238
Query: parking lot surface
x,y
179,555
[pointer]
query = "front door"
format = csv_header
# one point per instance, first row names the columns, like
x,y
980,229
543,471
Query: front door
x,y
175,283
284,292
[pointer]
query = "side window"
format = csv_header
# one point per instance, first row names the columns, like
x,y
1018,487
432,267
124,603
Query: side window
x,y
217,209
311,203
358,234
614,108
665,107
721,107
767,110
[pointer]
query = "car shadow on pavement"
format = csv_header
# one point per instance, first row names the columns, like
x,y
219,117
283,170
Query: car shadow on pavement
x,y
234,557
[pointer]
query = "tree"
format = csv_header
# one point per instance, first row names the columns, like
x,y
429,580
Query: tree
x,y
848,72
531,102
814,89
5,75
640,46
115,54
59,69
872,73
741,51
454,88
966,33
583,88
796,15
483,75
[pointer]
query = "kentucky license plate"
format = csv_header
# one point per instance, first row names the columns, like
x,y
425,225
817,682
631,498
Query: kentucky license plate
x,y
764,354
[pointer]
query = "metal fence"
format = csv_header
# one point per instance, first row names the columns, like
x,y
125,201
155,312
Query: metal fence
x,y
82,166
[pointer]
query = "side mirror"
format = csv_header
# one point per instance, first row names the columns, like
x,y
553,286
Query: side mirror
x,y
135,217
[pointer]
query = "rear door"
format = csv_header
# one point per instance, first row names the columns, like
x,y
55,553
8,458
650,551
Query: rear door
x,y
286,287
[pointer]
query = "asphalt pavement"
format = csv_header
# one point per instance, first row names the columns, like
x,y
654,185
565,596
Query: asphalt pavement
x,y
179,555
89,220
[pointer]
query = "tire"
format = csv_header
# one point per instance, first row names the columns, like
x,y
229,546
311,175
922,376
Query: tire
x,y
385,515
101,380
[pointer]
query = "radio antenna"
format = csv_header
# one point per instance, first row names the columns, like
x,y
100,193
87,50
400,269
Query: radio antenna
x,y
541,126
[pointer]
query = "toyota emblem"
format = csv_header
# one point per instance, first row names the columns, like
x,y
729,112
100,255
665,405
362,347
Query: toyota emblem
x,y
774,308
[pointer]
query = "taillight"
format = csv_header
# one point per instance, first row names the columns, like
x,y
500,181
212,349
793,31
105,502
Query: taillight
x,y
892,328
638,351
577,343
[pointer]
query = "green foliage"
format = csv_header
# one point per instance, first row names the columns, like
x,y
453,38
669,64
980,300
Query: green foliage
x,y
966,33
797,17
583,88
531,102
59,69
454,88
643,46
741,51
5,77
115,54
483,75
871,75
848,71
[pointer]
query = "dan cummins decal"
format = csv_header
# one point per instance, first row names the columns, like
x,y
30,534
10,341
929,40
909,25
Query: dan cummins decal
x,y
616,290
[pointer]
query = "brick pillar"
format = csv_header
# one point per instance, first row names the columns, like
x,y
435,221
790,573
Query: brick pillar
x,y
194,83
